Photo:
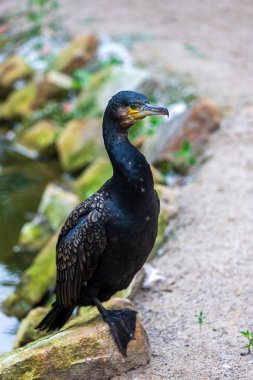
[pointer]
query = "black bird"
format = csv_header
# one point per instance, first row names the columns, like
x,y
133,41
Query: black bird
x,y
107,238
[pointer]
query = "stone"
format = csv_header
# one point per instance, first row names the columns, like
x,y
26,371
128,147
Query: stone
x,y
40,137
168,211
34,234
167,199
26,331
78,54
193,125
103,84
13,69
157,175
92,178
19,103
34,282
80,143
83,349
53,85
56,204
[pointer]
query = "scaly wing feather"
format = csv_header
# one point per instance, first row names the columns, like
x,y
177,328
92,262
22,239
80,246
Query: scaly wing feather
x,y
81,242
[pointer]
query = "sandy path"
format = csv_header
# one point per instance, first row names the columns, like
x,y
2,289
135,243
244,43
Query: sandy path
x,y
209,264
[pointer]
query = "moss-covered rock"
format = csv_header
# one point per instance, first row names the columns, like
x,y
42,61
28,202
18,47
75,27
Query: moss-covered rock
x,y
93,177
83,349
34,95
26,332
168,210
53,85
11,70
34,282
34,234
40,137
158,177
56,204
111,79
78,54
80,142
19,103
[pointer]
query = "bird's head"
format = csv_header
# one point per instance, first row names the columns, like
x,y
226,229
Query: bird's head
x,y
127,107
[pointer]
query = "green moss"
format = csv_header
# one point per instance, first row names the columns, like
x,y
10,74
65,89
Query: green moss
x,y
34,282
82,157
83,347
13,69
80,51
34,235
40,137
56,204
80,142
87,100
26,332
19,103
93,177
109,80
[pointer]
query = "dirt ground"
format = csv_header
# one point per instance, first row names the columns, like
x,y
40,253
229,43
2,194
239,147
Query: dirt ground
x,y
208,266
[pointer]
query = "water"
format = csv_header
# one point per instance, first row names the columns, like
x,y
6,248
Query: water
x,y
22,182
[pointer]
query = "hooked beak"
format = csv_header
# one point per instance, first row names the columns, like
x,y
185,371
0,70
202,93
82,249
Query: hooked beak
x,y
148,110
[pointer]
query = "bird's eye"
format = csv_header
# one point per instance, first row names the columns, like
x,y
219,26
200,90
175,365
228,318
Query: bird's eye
x,y
133,106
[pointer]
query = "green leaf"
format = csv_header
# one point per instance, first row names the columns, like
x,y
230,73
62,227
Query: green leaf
x,y
81,78
245,333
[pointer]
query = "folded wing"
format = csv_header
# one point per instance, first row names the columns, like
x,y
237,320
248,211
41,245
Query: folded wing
x,y
81,241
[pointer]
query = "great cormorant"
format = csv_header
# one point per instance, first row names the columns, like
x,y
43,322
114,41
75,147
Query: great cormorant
x,y
107,238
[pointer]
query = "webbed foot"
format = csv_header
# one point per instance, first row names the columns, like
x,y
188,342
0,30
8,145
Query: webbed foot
x,y
122,324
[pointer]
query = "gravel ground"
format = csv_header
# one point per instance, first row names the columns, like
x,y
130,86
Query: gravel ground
x,y
208,266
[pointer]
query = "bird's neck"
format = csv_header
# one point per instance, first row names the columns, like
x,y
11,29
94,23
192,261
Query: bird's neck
x,y
131,171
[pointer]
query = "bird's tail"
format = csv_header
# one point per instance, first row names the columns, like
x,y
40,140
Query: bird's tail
x,y
56,318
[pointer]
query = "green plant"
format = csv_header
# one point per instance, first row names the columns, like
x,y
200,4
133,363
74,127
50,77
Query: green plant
x,y
80,79
200,318
248,335
153,123
111,61
186,154
179,162
38,11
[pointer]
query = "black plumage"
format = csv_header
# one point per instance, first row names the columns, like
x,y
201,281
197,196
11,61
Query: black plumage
x,y
107,238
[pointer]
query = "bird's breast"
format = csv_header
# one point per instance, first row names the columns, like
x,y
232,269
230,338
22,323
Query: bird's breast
x,y
131,232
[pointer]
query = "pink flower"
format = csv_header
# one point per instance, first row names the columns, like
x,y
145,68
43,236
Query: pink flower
x,y
4,28
67,107
46,50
